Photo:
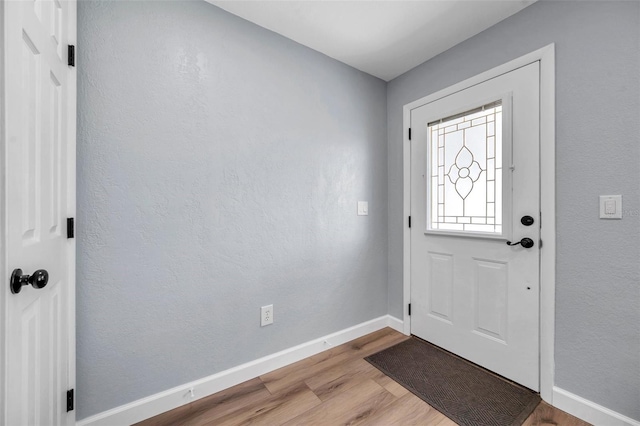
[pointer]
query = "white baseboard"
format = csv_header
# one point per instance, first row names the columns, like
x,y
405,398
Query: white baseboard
x,y
589,411
395,323
159,403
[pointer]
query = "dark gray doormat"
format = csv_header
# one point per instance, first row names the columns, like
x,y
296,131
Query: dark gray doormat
x,y
459,389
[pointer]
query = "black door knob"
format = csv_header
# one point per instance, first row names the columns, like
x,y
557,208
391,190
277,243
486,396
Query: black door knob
x,y
525,242
39,279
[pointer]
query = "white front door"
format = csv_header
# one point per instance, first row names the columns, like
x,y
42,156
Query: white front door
x,y
39,169
475,176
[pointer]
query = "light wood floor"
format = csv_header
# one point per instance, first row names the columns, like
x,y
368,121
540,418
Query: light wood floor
x,y
335,387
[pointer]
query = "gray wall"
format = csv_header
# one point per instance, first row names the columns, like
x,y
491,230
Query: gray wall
x,y
597,149
219,167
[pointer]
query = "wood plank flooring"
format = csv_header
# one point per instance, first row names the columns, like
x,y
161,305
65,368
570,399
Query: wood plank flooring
x,y
335,387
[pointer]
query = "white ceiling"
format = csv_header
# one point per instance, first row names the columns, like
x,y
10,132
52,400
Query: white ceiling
x,y
382,38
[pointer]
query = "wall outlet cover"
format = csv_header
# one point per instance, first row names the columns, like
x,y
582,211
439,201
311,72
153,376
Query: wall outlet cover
x,y
266,315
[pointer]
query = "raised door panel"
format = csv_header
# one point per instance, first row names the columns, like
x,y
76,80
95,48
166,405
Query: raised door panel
x,y
490,299
441,295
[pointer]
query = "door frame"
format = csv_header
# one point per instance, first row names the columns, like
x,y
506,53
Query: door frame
x,y
3,256
546,57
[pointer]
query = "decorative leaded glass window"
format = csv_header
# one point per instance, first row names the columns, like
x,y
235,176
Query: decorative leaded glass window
x,y
465,169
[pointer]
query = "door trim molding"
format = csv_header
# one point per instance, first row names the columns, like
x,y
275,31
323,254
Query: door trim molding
x,y
3,257
72,82
546,57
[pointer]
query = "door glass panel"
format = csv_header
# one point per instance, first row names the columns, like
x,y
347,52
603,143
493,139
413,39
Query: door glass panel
x,y
465,170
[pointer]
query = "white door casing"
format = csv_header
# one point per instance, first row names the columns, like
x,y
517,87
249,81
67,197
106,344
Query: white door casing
x,y
39,108
470,292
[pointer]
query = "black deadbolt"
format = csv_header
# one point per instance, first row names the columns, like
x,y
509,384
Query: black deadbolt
x,y
527,220
39,279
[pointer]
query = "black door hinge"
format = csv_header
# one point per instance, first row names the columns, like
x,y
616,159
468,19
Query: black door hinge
x,y
409,221
70,227
409,309
409,133
72,55
69,400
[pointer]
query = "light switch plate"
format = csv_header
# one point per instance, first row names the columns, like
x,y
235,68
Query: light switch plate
x,y
611,207
363,208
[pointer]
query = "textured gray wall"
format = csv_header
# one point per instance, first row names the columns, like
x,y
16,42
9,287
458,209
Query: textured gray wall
x,y
597,147
219,167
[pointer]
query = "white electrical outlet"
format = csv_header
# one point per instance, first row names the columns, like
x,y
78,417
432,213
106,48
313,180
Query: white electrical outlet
x,y
266,316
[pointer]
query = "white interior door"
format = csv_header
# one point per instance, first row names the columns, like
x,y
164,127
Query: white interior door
x,y
39,168
474,177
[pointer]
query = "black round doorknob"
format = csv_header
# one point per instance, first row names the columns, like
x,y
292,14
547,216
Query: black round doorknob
x,y
525,242
39,279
